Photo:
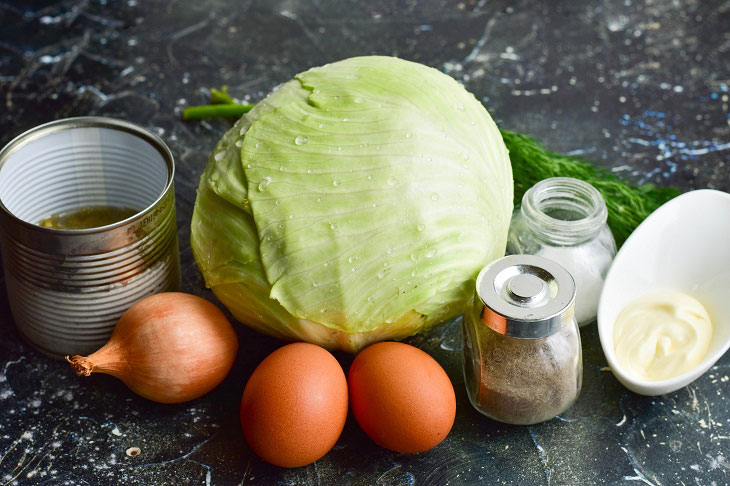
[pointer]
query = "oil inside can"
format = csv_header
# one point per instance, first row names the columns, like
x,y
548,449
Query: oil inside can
x,y
88,217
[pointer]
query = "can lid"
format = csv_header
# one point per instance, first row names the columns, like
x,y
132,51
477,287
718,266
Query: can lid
x,y
526,296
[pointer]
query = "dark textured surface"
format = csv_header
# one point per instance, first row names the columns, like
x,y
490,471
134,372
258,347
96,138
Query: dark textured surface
x,y
640,87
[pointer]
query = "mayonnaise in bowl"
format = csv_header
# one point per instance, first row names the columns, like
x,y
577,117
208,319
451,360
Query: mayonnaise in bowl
x,y
662,335
682,247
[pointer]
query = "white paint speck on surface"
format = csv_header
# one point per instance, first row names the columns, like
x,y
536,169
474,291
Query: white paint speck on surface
x,y
133,451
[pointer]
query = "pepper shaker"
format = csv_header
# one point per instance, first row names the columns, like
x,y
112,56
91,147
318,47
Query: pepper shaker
x,y
522,353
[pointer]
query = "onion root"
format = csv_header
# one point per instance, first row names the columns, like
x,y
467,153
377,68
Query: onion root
x,y
81,365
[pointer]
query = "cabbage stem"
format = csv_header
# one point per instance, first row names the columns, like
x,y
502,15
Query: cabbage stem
x,y
228,110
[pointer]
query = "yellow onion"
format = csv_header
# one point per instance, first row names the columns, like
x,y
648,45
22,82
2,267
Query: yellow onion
x,y
170,347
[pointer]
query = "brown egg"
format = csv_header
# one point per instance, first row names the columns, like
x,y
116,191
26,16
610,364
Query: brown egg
x,y
294,405
401,397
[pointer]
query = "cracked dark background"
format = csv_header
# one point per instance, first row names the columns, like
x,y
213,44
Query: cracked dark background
x,y
639,87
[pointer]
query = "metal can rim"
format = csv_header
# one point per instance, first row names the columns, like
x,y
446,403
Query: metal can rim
x,y
44,129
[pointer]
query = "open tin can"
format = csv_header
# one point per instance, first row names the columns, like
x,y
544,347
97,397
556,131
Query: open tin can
x,y
67,288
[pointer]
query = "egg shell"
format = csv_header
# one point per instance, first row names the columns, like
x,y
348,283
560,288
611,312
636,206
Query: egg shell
x,y
294,405
401,397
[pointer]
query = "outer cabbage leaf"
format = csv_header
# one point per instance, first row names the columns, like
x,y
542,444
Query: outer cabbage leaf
x,y
356,203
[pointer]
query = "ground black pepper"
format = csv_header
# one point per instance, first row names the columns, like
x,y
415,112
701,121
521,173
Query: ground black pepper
x,y
525,381
522,356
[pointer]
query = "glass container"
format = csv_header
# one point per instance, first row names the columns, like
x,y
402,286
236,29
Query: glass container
x,y
522,353
564,219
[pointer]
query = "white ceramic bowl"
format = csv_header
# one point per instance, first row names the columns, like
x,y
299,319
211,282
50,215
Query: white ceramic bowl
x,y
685,246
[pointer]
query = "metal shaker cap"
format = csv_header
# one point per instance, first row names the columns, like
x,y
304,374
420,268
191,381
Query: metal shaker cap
x,y
526,296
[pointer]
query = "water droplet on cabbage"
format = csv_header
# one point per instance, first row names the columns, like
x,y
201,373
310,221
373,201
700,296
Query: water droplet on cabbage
x,y
421,227
431,254
389,250
435,196
319,199
460,107
239,142
414,257
219,155
391,181
301,140
409,135
244,129
264,183
413,273
309,171
333,226
315,284
258,145
357,99
345,120
351,259
370,178
335,183
250,166
322,125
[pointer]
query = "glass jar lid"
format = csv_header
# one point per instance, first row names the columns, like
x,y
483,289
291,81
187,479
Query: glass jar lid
x,y
526,296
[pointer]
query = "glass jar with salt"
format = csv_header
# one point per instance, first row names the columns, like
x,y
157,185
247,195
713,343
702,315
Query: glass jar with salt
x,y
522,353
564,219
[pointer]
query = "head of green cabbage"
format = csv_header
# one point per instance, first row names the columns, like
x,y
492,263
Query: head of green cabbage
x,y
356,203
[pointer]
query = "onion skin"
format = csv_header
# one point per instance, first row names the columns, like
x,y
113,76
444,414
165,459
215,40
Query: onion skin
x,y
170,348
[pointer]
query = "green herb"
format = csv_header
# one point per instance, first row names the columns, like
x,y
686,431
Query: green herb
x,y
628,205
222,105
215,111
221,96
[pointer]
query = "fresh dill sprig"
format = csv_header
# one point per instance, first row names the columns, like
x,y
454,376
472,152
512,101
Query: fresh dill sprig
x,y
627,205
